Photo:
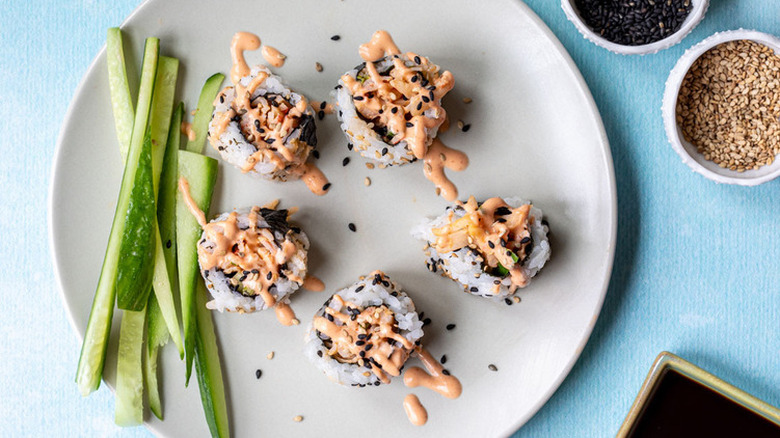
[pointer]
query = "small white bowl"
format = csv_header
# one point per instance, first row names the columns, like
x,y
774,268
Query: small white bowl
x,y
687,151
693,19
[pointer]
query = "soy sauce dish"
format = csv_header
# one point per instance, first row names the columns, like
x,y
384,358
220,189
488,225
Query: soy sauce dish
x,y
679,399
637,27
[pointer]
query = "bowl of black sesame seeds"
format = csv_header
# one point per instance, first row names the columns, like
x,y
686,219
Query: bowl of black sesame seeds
x,y
721,107
635,27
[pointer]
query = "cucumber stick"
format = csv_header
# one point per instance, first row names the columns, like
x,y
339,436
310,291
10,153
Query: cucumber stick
x,y
200,123
157,336
208,368
129,409
135,268
200,172
165,136
162,110
121,98
93,349
157,331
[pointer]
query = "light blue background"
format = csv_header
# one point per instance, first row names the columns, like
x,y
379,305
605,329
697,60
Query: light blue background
x,y
696,270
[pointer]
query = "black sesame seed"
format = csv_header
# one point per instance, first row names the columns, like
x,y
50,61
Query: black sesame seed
x,y
352,227
426,321
450,326
362,354
359,343
525,240
257,124
430,95
168,243
323,104
414,78
359,288
255,271
221,99
362,336
394,110
445,372
409,124
258,373
377,383
417,60
316,154
492,367
426,99
320,114
369,346
326,187
466,128
330,317
269,276
508,301
269,140
419,106
235,247
358,97
335,37
319,353
502,211
491,244
474,289
384,151
345,161
349,146
443,359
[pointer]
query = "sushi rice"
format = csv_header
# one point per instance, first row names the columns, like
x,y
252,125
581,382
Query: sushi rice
x,y
466,265
373,292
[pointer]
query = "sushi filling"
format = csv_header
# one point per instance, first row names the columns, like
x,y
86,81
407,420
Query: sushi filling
x,y
279,124
399,96
499,234
252,253
368,337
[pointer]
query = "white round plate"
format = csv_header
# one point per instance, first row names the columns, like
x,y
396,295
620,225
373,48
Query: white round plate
x,y
535,132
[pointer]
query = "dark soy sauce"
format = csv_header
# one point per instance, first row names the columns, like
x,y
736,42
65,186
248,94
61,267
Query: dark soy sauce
x,y
681,407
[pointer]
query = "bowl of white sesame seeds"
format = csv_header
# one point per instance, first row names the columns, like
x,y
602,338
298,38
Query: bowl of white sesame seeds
x,y
721,107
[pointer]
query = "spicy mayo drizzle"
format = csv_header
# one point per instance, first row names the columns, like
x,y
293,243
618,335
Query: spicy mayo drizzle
x,y
436,160
267,122
186,129
313,284
448,386
363,336
253,252
415,411
495,229
406,102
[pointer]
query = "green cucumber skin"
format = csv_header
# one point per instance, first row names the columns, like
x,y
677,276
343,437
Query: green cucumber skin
x,y
135,268
162,110
156,336
166,207
121,98
93,349
200,123
129,409
201,174
209,370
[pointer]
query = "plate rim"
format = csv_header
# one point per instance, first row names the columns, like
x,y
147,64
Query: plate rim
x,y
606,153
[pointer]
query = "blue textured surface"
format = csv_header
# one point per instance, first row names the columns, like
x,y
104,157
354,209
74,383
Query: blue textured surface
x,y
696,271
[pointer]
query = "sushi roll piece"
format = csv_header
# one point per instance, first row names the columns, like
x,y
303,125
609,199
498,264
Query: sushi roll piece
x,y
364,333
389,106
252,259
262,126
491,249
